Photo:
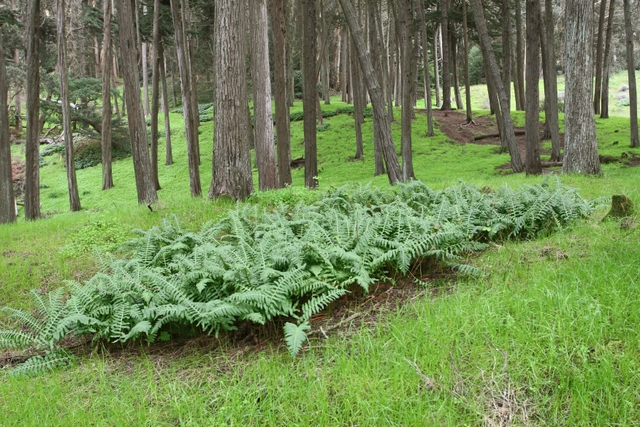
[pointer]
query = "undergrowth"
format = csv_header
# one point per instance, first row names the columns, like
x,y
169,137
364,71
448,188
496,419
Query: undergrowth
x,y
285,262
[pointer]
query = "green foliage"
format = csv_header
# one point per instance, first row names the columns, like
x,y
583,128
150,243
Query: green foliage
x,y
257,265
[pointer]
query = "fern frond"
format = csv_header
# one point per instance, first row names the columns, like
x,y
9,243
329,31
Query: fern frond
x,y
295,336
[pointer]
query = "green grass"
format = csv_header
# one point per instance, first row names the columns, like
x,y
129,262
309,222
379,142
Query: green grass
x,y
562,311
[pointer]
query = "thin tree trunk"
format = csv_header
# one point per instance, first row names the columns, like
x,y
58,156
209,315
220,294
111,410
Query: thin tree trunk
x,y
385,61
137,127
405,21
358,117
72,183
467,83
7,199
427,77
631,72
309,93
145,79
107,170
506,48
264,146
165,107
599,57
436,68
604,108
155,92
551,83
18,99
380,119
489,57
344,65
580,140
32,145
533,165
519,69
446,56
454,68
280,91
375,40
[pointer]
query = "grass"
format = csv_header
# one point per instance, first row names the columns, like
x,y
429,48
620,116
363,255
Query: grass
x,y
549,337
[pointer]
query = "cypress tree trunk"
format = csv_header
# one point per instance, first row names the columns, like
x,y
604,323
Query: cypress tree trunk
x,y
446,57
580,143
107,171
631,71
32,145
506,48
436,68
519,69
599,57
405,21
533,164
467,83
18,99
309,92
427,76
604,107
551,83
155,93
358,117
72,183
7,200
165,106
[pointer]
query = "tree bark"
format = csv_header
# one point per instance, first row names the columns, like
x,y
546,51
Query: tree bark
x,y
165,107
506,48
494,75
280,91
519,69
604,107
454,69
374,40
405,21
107,170
358,116
599,57
145,79
381,124
309,92
631,72
155,92
551,83
427,76
263,117
436,68
446,77
137,126
232,174
18,99
190,122
72,183
580,143
7,199
532,117
467,83
32,145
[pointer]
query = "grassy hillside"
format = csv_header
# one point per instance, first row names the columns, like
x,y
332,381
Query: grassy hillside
x,y
548,336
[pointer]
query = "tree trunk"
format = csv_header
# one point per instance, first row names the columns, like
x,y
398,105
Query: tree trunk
x,y
446,56
32,145
155,92
427,77
381,124
467,83
551,82
519,69
506,48
263,117
494,75
436,68
7,200
137,126
344,65
375,39
145,79
405,27
190,122
532,117
279,29
580,143
631,71
599,57
165,107
454,70
309,92
72,183
18,99
358,116
232,174
107,170
604,108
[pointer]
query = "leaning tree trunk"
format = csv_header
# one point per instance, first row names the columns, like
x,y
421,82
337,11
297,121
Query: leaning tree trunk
x,y
381,123
533,165
7,199
232,174
580,142
279,29
604,107
494,75
262,113
309,92
32,144
405,26
155,92
631,71
107,170
72,182
137,127
551,83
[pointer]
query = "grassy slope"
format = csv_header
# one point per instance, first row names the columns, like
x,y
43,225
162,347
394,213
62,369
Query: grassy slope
x,y
562,311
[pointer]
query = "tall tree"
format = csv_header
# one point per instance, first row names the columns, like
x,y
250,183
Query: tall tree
x,y
405,26
533,165
631,72
165,107
446,76
279,29
309,92
467,83
32,167
359,98
155,92
137,127
424,36
72,183
519,68
580,142
7,200
190,119
496,81
506,47
550,82
381,124
599,57
604,107
263,117
107,170
231,154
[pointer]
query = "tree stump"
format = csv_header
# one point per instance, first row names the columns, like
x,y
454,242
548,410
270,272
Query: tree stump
x,y
621,206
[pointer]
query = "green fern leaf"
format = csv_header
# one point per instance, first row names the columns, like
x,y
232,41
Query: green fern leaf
x,y
295,336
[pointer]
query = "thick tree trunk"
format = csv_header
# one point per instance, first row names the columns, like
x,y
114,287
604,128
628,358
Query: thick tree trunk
x,y
72,183
190,122
32,145
604,108
280,91
107,170
381,124
309,92
580,142
7,199
264,140
446,56
494,75
232,174
551,83
631,72
427,77
519,69
405,26
599,57
137,126
532,117
155,92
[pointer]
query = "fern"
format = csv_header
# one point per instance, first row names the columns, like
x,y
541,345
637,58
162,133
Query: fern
x,y
295,336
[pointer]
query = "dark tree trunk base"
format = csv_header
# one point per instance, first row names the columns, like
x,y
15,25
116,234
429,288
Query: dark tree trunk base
x,y
621,207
